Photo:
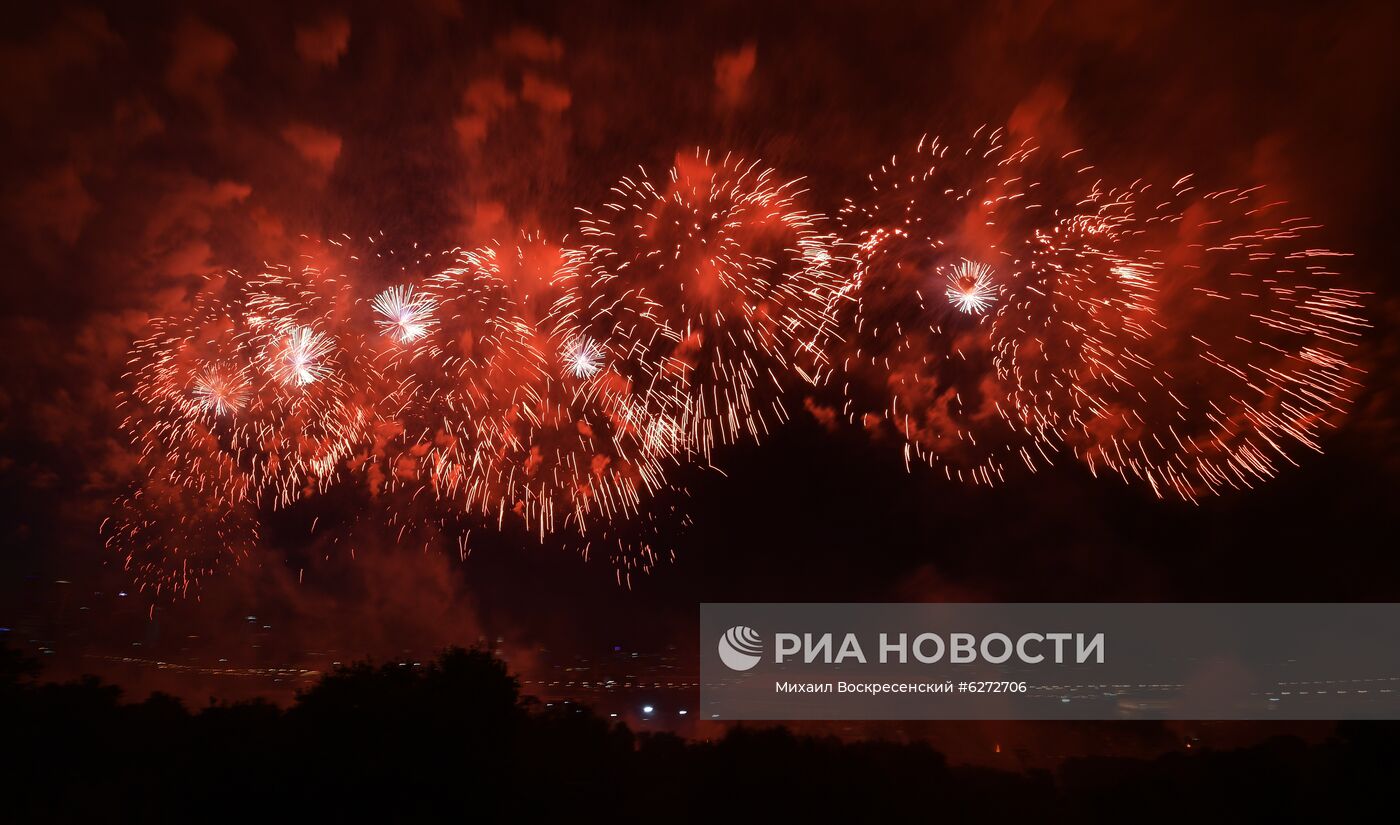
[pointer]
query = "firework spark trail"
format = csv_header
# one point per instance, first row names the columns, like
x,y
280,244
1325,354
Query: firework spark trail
x,y
544,429
1244,364
170,538
583,358
1193,342
953,279
710,291
1076,312
462,382
192,391
971,288
220,391
313,341
992,304
256,398
300,356
404,315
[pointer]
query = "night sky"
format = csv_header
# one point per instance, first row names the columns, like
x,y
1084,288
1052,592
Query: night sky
x,y
144,148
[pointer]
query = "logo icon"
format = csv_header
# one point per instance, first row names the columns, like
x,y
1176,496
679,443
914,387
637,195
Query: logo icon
x,y
740,648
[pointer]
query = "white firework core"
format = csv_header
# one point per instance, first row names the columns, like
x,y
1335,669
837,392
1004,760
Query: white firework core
x,y
583,358
404,315
303,354
970,287
219,392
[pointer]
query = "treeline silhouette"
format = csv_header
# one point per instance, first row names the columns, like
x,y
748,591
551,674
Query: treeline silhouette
x,y
456,741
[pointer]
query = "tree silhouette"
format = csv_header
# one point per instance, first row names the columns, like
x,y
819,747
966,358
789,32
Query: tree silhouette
x,y
454,740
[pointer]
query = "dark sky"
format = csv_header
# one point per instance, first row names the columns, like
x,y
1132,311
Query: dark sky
x,y
144,147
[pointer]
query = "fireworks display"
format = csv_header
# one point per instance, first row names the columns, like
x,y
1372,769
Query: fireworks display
x,y
952,264
1240,358
533,422
987,304
711,289
1189,341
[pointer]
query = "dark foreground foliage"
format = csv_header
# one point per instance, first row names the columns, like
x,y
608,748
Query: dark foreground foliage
x,y
455,741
